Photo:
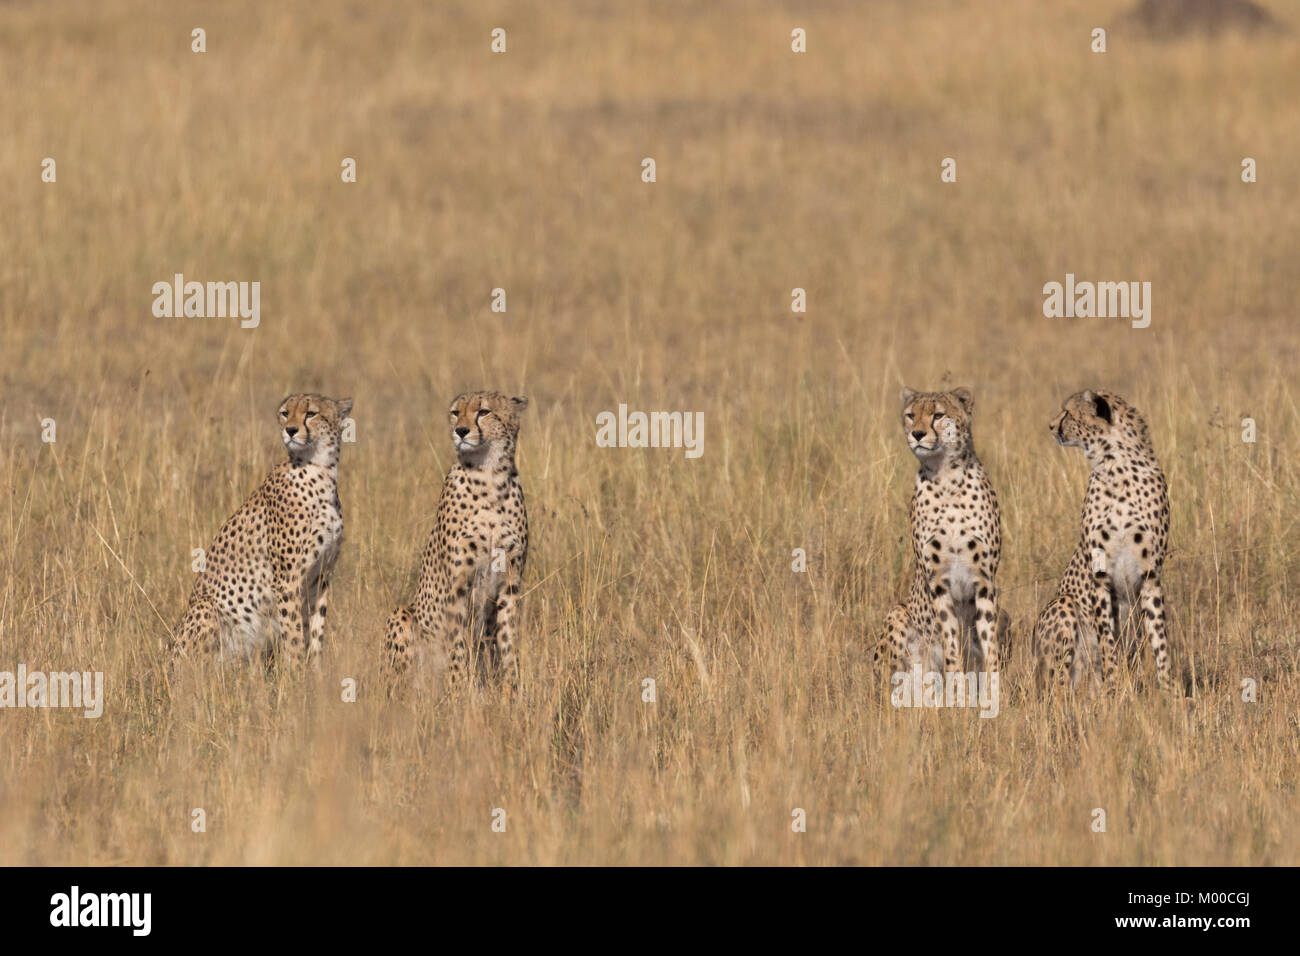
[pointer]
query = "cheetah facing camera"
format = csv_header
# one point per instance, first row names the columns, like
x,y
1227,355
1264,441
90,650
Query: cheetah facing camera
x,y
1116,568
263,590
473,564
952,607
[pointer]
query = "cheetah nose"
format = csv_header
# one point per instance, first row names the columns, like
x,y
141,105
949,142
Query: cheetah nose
x,y
462,431
918,434
291,430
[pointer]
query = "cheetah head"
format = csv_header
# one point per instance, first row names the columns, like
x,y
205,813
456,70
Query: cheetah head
x,y
1099,422
484,421
937,423
311,425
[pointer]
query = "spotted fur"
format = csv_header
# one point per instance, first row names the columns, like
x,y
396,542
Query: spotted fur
x,y
473,564
1114,574
951,614
264,586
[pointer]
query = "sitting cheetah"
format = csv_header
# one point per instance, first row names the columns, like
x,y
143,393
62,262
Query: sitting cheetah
x,y
1116,567
266,574
956,544
473,563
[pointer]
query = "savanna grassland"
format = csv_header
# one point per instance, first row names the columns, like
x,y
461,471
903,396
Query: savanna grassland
x,y
522,171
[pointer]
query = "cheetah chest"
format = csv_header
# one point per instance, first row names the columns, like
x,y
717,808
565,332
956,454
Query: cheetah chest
x,y
494,542
956,535
1124,527
316,530
330,537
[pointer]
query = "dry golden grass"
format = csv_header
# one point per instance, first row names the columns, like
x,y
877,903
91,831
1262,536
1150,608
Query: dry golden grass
x,y
522,171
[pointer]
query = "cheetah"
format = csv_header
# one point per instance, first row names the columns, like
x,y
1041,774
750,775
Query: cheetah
x,y
263,590
1116,568
473,563
952,609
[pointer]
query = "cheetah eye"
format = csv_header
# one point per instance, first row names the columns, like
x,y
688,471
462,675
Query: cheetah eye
x,y
311,414
481,412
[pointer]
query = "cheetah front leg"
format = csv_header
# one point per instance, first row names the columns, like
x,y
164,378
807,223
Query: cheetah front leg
x,y
316,628
949,625
290,611
402,634
1153,620
454,617
891,650
1104,620
1006,636
507,609
986,620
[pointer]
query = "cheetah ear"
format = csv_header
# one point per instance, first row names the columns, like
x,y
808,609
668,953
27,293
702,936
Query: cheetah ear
x,y
519,402
345,407
1103,409
907,395
967,400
